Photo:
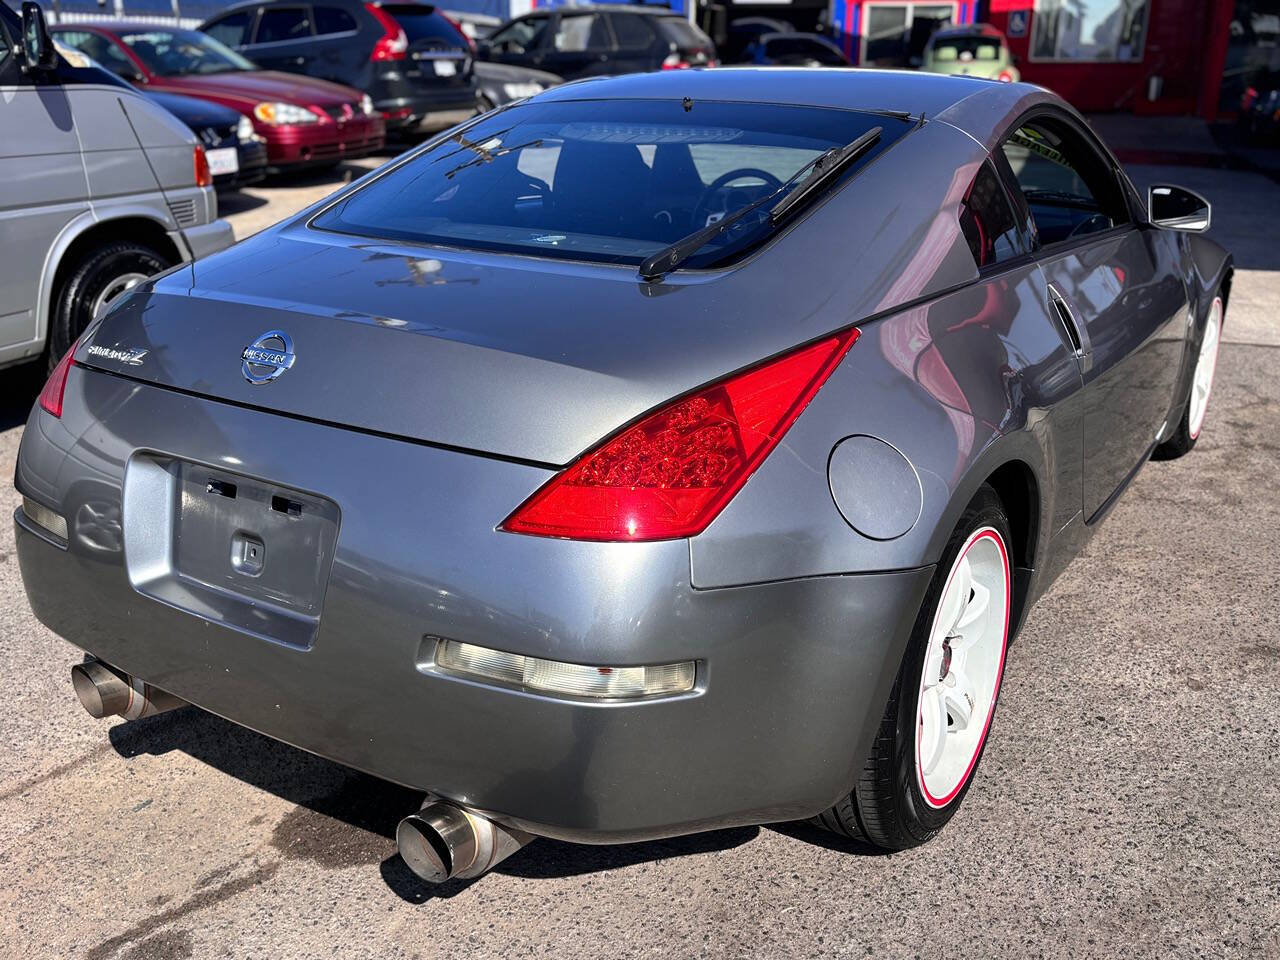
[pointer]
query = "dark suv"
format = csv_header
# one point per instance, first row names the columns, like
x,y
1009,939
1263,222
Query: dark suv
x,y
574,42
410,58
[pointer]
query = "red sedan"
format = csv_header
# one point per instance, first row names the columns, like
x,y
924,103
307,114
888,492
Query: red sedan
x,y
304,121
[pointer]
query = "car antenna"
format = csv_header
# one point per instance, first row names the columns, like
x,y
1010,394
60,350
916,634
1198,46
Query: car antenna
x,y
687,103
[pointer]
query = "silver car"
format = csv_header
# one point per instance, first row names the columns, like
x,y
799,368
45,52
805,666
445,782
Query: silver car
x,y
656,454
99,189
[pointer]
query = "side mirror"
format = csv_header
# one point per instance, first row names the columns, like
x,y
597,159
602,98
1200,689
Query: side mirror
x,y
37,45
484,49
1176,208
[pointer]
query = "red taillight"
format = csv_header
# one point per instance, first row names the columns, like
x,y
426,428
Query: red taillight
x,y
471,44
203,177
675,62
393,44
1005,76
56,385
669,475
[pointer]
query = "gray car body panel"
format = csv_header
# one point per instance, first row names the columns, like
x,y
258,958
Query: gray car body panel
x,y
435,390
90,171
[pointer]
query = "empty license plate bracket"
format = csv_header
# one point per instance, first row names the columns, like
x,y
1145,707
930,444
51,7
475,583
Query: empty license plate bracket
x,y
229,548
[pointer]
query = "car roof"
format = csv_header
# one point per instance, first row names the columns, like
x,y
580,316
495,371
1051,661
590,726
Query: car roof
x,y
642,10
116,28
889,91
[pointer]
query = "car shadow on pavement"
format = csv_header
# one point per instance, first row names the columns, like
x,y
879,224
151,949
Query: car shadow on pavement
x,y
19,387
237,201
344,818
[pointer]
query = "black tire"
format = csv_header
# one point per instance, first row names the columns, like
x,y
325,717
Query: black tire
x,y
1182,440
886,807
86,280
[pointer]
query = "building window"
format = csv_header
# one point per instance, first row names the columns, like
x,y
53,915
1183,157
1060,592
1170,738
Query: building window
x,y
1100,30
895,34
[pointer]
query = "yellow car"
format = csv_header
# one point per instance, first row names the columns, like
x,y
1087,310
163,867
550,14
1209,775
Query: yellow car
x,y
979,50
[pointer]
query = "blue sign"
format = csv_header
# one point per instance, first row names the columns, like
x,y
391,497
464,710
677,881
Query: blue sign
x,y
1018,22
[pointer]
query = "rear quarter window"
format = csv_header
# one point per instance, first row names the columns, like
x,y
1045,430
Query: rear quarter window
x,y
233,29
632,32
987,220
333,20
681,32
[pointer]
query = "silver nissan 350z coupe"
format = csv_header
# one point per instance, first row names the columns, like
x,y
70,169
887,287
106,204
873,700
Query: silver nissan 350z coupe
x,y
657,454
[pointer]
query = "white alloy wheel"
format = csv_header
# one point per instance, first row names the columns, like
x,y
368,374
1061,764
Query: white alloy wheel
x,y
962,666
1206,363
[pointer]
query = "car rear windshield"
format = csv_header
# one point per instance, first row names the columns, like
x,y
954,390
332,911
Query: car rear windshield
x,y
967,48
606,181
425,24
682,33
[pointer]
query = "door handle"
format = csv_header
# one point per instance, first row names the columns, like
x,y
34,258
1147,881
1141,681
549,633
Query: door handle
x,y
1076,334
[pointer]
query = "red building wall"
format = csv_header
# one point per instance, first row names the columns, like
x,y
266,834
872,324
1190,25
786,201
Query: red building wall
x,y
1185,45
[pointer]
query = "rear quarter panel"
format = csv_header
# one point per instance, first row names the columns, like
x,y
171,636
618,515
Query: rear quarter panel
x,y
961,385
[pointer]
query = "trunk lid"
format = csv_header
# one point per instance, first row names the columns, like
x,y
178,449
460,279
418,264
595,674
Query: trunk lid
x,y
521,357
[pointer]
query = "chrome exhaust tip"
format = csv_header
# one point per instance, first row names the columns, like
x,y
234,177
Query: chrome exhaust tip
x,y
107,692
443,841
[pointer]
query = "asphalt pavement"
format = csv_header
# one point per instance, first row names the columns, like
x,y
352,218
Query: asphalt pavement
x,y
1126,806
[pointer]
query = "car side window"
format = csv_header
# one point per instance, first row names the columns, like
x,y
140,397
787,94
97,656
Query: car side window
x,y
988,222
333,20
580,32
233,29
279,24
520,35
633,32
1068,185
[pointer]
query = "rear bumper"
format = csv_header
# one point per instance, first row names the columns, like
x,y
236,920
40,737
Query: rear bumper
x,y
208,238
792,676
252,158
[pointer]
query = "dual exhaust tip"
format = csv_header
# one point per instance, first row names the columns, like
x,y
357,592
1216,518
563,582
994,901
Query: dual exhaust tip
x,y
105,691
440,842
443,841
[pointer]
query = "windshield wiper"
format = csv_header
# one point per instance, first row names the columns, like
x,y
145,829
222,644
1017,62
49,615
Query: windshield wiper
x,y
818,171
824,173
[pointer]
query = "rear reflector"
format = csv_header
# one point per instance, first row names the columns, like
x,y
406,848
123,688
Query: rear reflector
x,y
42,516
204,177
56,385
570,679
669,475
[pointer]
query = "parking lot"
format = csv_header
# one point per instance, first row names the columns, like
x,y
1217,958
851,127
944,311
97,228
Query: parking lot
x,y
1126,806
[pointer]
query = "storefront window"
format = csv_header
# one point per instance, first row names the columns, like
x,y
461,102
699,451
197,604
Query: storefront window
x,y
895,33
1096,30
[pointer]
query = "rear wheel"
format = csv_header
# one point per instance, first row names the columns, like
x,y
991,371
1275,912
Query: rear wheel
x,y
940,710
94,283
1193,413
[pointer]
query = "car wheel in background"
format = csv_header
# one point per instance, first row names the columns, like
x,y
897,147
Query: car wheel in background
x,y
1197,403
96,281
940,709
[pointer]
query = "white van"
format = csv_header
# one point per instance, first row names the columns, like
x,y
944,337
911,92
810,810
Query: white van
x,y
99,189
